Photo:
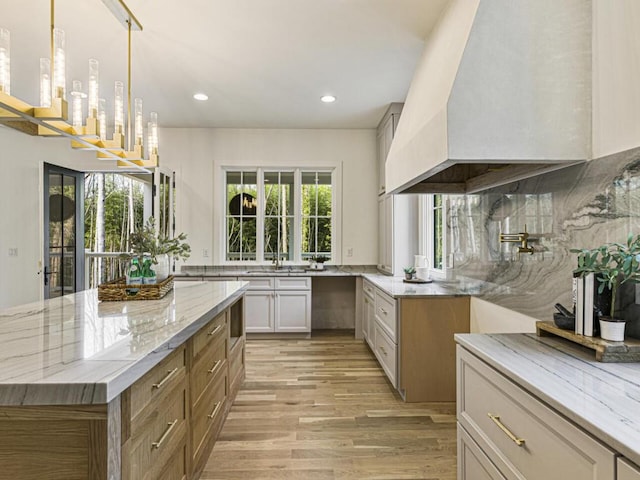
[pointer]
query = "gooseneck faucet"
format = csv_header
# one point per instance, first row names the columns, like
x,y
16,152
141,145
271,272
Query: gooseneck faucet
x,y
522,238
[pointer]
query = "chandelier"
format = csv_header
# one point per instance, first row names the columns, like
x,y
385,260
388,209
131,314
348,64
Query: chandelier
x,y
86,131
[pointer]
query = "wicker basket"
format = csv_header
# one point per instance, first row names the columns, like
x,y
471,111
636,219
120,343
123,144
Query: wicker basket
x,y
118,290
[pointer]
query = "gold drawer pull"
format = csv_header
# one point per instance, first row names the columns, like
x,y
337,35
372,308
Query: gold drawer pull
x,y
166,378
215,330
215,410
383,350
215,366
166,433
501,426
383,310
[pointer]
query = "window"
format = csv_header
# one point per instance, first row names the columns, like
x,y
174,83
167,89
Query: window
x,y
316,214
432,231
294,221
241,219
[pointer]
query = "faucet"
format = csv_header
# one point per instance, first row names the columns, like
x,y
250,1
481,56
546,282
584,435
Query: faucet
x,y
522,238
276,262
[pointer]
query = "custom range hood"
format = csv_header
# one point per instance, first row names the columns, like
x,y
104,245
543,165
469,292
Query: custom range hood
x,y
502,92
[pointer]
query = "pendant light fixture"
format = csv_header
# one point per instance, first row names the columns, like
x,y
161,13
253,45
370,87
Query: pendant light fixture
x,y
86,131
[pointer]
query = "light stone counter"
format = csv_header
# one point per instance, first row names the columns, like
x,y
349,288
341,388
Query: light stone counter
x,y
76,350
602,398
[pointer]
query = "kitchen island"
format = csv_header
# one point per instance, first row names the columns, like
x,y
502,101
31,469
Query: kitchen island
x,y
114,390
564,414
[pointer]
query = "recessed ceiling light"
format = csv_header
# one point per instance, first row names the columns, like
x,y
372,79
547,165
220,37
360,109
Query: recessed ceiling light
x,y
201,96
328,98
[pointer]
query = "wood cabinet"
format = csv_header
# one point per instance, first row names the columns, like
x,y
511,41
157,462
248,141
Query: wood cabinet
x,y
412,338
511,434
397,232
386,131
278,304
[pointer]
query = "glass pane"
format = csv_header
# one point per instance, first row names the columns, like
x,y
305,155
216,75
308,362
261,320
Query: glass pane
x,y
55,209
68,273
233,238
324,236
324,200
308,236
248,239
324,178
55,278
271,199
270,238
286,193
278,238
68,206
309,200
437,238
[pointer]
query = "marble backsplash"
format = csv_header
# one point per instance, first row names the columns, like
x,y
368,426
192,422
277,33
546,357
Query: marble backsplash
x,y
578,207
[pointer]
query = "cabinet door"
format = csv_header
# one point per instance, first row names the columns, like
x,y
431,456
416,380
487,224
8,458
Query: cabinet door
x,y
365,317
293,311
370,319
382,160
627,470
388,235
259,311
382,236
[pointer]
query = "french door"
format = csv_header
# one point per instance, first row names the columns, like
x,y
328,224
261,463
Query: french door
x,y
63,231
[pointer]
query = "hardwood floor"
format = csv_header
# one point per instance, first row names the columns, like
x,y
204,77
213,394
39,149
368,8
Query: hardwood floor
x,y
323,409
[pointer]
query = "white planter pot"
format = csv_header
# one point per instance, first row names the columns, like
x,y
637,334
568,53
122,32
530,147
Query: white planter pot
x,y
162,268
612,331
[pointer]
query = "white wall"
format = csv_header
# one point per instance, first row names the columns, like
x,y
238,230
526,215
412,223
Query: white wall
x,y
198,155
21,200
616,76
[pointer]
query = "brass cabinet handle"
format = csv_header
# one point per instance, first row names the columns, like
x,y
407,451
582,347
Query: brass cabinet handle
x,y
383,310
383,350
215,366
215,410
166,378
501,426
166,433
215,330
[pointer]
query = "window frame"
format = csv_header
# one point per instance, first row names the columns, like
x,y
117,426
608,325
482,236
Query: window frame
x,y
336,200
426,221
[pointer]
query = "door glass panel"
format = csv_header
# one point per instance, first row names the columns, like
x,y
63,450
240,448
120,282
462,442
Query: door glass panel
x,y
68,270
55,210
55,278
68,209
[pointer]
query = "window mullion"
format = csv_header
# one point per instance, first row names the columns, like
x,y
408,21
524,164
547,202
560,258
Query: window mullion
x,y
260,215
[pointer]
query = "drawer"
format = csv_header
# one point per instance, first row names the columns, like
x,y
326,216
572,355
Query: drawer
x,y
210,333
627,470
259,283
293,283
219,279
386,313
207,367
162,378
473,464
158,436
368,289
236,360
207,413
519,433
386,352
176,466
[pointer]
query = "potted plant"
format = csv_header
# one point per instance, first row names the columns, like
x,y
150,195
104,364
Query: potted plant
x,y
318,261
150,254
613,264
409,272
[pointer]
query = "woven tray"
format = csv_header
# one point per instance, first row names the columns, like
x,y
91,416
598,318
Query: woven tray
x,y
117,290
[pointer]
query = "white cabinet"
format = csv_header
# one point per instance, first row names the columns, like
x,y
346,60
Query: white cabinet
x,y
278,304
521,436
627,470
259,308
386,131
293,311
398,232
368,313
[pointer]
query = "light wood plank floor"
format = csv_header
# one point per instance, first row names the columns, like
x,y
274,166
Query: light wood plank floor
x,y
323,409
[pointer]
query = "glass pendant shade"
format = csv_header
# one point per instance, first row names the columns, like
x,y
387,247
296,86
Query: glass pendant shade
x,y
76,105
138,126
119,108
59,64
45,82
153,133
5,61
94,79
102,118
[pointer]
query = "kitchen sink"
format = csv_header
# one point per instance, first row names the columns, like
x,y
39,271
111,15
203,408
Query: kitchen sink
x,y
282,271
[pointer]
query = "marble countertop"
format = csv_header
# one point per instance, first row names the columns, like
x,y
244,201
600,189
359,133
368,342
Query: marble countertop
x,y
266,271
76,350
603,398
397,288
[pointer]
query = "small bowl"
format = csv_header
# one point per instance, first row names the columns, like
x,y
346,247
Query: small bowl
x,y
565,323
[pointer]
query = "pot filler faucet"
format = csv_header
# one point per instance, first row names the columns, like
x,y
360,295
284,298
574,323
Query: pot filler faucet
x,y
522,238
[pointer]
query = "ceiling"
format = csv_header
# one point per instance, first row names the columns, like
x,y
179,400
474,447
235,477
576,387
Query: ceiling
x,y
263,63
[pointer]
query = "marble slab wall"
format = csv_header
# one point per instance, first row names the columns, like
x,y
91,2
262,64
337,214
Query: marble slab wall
x,y
582,206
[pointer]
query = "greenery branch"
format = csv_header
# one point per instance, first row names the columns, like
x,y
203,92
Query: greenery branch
x,y
146,242
613,264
